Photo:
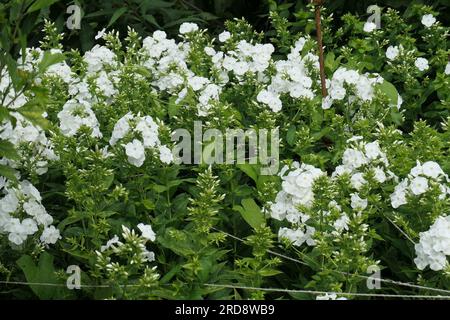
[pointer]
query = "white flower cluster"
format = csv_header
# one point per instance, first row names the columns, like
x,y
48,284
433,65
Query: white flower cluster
x,y
34,148
9,96
98,58
361,159
166,60
103,68
351,84
434,245
23,215
292,76
419,181
76,114
297,189
393,52
117,246
34,56
145,136
246,57
188,27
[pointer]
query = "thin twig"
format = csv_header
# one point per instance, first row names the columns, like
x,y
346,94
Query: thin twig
x,y
318,4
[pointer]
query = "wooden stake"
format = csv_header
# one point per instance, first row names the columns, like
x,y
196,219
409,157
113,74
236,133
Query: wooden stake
x,y
318,4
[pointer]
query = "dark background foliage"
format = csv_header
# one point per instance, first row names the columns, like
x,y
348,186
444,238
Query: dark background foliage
x,y
21,20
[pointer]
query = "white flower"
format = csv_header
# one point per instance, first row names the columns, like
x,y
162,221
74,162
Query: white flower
x,y
100,34
135,152
369,27
240,68
357,180
147,231
188,27
29,226
421,64
197,83
9,203
98,57
159,35
224,36
109,243
50,235
298,236
148,256
434,245
327,102
149,131
379,175
76,114
331,296
428,20
392,52
372,150
418,185
358,203
353,159
269,98
165,154
210,51
398,197
342,223
17,238
432,169
337,92
417,170
447,69
399,101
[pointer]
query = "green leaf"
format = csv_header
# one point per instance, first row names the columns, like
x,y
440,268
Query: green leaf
x,y
290,135
39,4
117,14
49,59
390,91
69,220
148,204
330,63
108,181
251,213
250,170
173,108
43,272
32,111
7,172
7,150
151,19
268,272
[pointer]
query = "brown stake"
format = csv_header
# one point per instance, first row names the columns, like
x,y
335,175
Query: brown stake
x,y
318,4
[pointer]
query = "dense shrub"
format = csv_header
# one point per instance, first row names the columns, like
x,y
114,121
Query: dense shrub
x,y
89,179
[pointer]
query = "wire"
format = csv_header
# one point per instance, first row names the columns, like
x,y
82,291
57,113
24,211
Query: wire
x,y
404,284
356,294
381,295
